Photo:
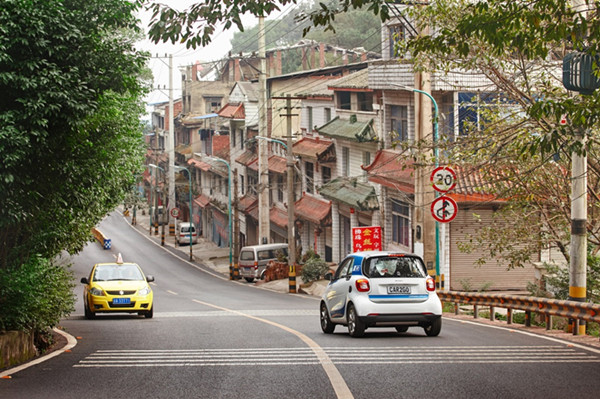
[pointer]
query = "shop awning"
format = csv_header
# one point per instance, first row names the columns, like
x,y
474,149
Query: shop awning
x,y
352,192
390,170
313,209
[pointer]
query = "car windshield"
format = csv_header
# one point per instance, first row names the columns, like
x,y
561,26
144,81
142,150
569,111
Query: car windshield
x,y
395,266
113,272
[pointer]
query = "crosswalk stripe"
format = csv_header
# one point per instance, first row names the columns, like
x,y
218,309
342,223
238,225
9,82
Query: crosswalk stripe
x,y
337,355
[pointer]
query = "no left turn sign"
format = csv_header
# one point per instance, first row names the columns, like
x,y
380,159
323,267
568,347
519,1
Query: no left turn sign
x,y
444,209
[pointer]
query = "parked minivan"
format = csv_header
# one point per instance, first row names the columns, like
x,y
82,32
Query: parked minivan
x,y
184,230
254,259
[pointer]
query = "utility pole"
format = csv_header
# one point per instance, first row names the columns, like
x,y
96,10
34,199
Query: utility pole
x,y
264,227
236,227
578,250
171,153
290,199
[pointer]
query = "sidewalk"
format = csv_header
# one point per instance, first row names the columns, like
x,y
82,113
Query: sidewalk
x,y
207,253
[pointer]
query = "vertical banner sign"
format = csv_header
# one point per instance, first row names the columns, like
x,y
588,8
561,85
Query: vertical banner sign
x,y
366,238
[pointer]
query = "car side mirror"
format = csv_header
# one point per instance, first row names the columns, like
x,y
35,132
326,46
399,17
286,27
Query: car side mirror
x,y
149,278
84,280
328,276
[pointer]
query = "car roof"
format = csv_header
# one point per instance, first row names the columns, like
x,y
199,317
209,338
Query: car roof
x,y
272,245
370,254
116,264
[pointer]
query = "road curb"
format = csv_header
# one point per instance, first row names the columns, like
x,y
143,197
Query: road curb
x,y
71,342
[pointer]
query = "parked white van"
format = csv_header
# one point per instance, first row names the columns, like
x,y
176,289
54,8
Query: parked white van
x,y
183,232
254,259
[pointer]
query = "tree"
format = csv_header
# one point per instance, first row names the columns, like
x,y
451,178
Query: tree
x,y
70,136
197,24
518,144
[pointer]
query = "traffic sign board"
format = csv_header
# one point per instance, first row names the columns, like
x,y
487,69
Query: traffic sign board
x,y
444,209
443,179
175,212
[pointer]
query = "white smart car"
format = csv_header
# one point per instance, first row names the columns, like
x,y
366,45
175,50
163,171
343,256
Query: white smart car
x,y
381,289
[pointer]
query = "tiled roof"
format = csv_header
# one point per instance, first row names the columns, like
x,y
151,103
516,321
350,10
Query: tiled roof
x,y
471,186
234,111
246,158
278,216
202,200
313,209
390,170
356,80
277,164
316,148
199,164
247,202
352,192
349,129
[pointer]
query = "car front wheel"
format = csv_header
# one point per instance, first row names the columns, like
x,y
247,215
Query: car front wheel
x,y
433,329
356,328
249,279
149,313
326,324
88,313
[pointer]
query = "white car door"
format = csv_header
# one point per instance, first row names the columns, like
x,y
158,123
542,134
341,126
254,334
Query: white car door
x,y
337,290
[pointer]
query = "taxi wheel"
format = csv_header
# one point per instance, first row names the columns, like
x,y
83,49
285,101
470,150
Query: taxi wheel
x,y
88,313
356,328
434,328
149,313
249,279
402,329
326,325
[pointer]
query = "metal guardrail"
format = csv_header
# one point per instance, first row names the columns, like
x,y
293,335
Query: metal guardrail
x,y
576,311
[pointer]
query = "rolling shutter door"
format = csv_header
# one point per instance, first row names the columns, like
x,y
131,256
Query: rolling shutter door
x,y
463,267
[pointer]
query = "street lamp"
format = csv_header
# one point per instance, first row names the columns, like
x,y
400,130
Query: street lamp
x,y
435,156
229,209
162,228
177,167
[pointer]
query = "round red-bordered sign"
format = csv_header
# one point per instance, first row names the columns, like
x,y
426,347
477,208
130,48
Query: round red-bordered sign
x,y
444,209
443,179
175,212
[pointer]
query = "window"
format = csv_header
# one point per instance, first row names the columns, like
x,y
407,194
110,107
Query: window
x,y
252,183
476,109
345,161
309,172
344,100
280,185
395,35
399,122
309,111
242,187
365,101
400,223
212,104
327,114
325,174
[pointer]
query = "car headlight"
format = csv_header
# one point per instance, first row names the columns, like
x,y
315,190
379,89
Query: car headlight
x,y
144,291
96,291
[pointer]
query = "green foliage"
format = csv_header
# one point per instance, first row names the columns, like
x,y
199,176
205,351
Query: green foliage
x,y
314,269
35,296
557,280
70,136
197,24
353,29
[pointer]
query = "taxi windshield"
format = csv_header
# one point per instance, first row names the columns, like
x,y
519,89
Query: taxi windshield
x,y
115,272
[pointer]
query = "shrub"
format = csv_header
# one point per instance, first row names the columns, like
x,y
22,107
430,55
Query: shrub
x,y
35,296
314,269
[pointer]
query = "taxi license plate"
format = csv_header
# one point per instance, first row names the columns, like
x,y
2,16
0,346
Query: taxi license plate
x,y
121,301
398,289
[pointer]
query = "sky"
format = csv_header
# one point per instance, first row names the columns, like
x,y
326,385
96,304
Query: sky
x,y
217,49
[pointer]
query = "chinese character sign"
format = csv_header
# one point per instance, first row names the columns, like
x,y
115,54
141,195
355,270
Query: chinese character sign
x,y
366,238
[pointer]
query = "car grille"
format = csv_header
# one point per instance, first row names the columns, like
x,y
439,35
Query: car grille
x,y
121,293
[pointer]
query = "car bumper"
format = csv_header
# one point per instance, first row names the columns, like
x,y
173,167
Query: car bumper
x,y
106,304
403,319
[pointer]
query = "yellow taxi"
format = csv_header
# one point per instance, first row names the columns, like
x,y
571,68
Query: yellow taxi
x,y
117,287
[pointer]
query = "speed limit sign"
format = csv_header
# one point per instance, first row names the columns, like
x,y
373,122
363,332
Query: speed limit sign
x,y
443,179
